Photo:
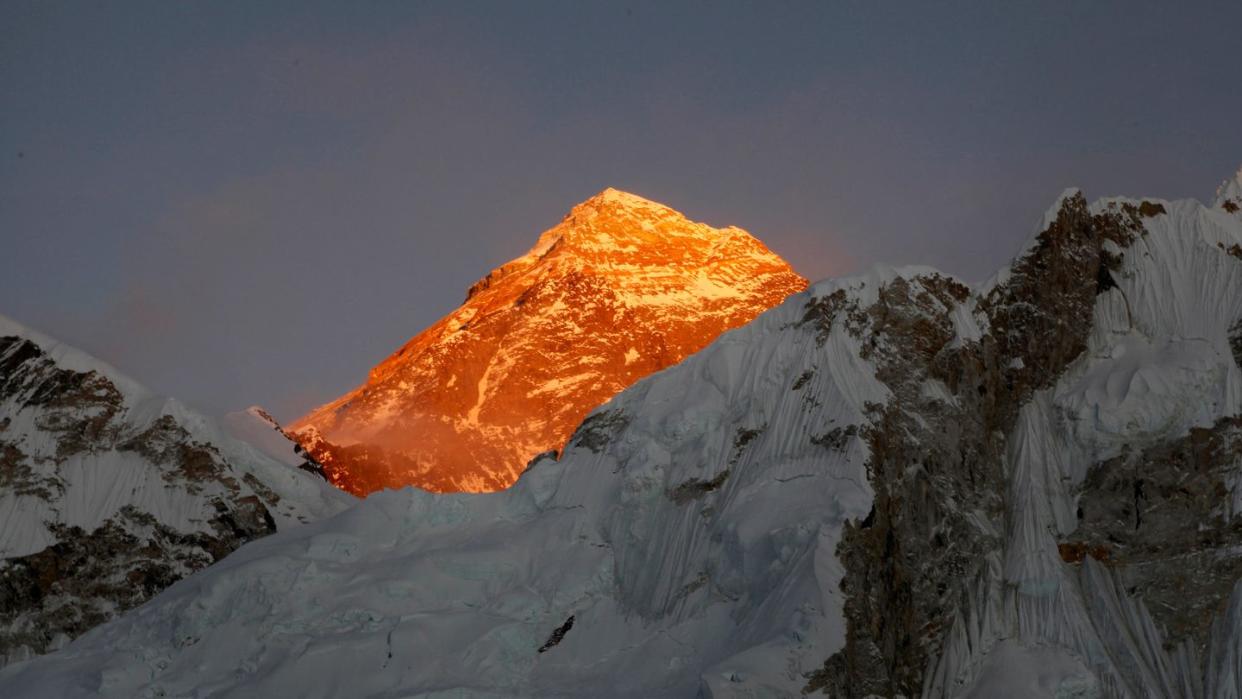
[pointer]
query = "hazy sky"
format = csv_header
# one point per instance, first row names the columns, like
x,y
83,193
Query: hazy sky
x,y
253,202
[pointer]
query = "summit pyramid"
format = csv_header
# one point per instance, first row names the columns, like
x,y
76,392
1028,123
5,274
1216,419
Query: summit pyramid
x,y
621,288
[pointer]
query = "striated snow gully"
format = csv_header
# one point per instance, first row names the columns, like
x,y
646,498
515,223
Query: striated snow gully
x,y
890,485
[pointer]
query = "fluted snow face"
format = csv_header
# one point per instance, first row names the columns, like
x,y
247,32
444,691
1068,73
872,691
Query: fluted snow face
x,y
621,288
1123,482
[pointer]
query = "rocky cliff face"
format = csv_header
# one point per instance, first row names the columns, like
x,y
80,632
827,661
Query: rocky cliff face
x,y
933,451
621,288
108,494
891,485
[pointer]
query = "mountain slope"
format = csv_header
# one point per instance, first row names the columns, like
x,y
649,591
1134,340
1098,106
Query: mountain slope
x,y
109,494
891,485
621,288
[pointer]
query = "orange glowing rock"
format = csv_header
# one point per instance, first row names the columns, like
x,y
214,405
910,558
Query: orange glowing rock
x,y
621,288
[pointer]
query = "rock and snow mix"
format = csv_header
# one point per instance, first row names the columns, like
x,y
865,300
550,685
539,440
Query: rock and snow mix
x,y
890,485
110,493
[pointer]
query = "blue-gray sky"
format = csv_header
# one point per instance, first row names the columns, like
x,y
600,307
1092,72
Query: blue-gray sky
x,y
241,202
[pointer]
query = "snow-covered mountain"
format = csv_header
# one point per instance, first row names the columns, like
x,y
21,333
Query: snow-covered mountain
x,y
890,485
108,494
620,288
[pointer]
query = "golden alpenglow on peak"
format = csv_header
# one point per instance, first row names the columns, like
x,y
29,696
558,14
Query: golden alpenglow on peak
x,y
622,287
614,202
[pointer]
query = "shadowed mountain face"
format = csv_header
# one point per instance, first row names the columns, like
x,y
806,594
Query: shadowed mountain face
x,y
621,288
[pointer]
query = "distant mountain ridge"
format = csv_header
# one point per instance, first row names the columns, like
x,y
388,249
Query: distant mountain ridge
x,y
620,288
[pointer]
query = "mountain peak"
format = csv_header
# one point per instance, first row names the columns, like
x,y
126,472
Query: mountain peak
x,y
615,204
616,197
615,228
620,288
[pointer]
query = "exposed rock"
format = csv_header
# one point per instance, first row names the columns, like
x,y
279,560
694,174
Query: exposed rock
x,y
17,475
836,438
598,429
360,469
550,455
558,634
86,578
168,444
1165,516
803,379
78,406
1148,209
927,454
695,488
920,549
